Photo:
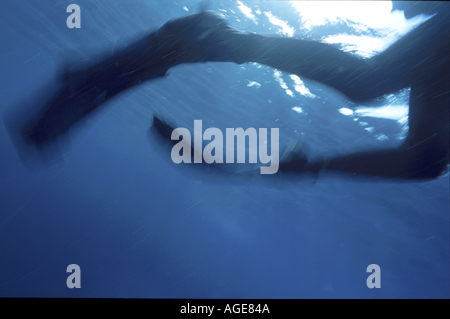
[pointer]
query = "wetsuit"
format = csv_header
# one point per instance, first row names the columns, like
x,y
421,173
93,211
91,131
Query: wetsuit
x,y
419,60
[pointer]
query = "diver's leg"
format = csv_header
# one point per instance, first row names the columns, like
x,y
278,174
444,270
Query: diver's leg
x,y
425,153
359,79
317,61
82,87
206,37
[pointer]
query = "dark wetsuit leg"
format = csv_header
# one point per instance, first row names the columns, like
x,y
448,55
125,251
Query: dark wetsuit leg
x,y
85,86
359,79
425,153
80,88
419,60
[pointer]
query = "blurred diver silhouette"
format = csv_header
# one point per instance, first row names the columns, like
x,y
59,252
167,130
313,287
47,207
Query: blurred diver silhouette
x,y
419,60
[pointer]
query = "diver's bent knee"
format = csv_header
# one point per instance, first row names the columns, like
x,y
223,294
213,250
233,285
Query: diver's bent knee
x,y
431,171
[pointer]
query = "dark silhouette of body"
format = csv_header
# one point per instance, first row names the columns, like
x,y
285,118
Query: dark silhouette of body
x,y
419,60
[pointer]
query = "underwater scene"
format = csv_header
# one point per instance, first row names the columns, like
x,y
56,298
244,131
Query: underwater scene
x,y
94,203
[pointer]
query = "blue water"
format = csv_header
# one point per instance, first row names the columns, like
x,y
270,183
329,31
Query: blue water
x,y
140,226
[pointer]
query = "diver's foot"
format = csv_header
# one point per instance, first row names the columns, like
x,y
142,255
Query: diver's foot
x,y
201,37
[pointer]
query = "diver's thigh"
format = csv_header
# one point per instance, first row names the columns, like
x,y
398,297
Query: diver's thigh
x,y
426,42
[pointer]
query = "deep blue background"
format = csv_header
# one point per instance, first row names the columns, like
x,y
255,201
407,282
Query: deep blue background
x,y
140,226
